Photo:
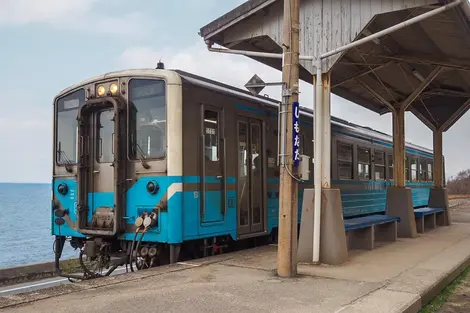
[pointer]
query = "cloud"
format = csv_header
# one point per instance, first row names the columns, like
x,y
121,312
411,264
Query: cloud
x,y
237,70
80,15
26,145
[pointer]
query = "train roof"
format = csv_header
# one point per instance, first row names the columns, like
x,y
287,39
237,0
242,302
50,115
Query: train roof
x,y
362,130
225,88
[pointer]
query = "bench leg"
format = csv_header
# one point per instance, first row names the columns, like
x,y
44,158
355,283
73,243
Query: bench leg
x,y
362,239
430,222
420,224
441,218
386,232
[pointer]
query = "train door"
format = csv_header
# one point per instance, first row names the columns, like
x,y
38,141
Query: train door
x,y
102,158
213,180
101,168
251,213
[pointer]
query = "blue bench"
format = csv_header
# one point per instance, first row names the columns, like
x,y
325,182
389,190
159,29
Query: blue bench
x,y
363,232
428,218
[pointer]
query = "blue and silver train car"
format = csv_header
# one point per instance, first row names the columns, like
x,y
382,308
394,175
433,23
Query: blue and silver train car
x,y
152,166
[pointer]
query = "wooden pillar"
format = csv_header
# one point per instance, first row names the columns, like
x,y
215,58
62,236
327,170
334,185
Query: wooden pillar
x,y
288,207
437,149
399,148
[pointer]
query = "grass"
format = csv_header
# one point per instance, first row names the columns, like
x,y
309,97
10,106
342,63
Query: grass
x,y
436,304
70,266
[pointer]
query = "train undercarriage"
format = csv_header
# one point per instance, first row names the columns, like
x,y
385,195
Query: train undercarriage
x,y
99,257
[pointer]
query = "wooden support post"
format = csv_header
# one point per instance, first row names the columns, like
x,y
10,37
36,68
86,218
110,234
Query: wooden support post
x,y
437,149
399,147
399,198
288,208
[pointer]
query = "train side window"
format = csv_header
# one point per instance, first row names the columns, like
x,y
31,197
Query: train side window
x,y
407,169
390,167
379,161
430,170
345,158
211,135
363,163
422,170
414,169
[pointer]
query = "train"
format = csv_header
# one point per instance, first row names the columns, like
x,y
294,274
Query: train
x,y
154,166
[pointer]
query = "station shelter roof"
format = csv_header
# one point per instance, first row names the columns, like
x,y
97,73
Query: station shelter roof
x,y
377,75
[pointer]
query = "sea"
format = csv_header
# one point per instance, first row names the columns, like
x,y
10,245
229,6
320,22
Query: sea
x,y
25,225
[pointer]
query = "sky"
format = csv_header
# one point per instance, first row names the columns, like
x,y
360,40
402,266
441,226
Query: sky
x,y
48,45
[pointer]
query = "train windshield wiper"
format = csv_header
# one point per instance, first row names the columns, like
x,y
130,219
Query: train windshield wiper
x,y
63,156
141,154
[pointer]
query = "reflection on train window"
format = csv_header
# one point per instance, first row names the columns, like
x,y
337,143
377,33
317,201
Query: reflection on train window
x,y
363,163
430,170
414,169
256,178
211,135
390,167
422,170
147,108
379,162
243,183
67,127
106,137
345,157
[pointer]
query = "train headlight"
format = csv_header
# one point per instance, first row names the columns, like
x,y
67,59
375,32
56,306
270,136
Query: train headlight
x,y
152,187
101,91
62,189
113,88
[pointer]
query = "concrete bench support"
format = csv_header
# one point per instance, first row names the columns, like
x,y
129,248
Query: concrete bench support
x,y
438,198
364,232
333,245
400,204
429,218
362,238
386,232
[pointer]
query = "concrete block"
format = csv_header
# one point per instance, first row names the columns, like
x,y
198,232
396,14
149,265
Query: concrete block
x,y
429,222
400,203
386,232
362,238
441,219
438,198
419,224
333,245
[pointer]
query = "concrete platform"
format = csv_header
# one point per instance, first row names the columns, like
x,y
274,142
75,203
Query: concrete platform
x,y
397,277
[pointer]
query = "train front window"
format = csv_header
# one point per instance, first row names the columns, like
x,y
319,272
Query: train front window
x,y
67,127
147,105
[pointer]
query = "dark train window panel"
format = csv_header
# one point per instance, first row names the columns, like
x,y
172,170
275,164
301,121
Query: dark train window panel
x,y
430,171
407,169
345,157
390,167
422,170
379,160
345,152
345,170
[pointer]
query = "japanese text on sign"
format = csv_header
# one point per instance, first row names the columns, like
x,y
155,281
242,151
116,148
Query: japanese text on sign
x,y
296,133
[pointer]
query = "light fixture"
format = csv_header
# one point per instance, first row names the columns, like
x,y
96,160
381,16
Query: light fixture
x,y
101,91
113,88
